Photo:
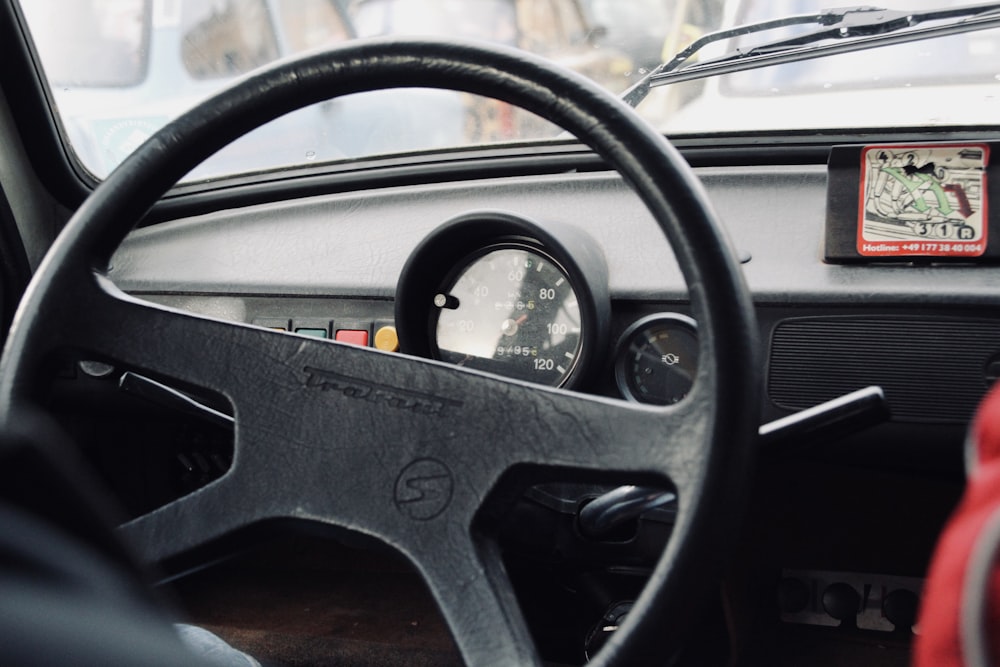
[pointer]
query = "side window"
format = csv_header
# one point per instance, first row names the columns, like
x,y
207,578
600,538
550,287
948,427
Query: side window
x,y
224,38
311,24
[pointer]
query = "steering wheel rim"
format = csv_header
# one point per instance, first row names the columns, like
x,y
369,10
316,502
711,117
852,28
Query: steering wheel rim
x,y
704,444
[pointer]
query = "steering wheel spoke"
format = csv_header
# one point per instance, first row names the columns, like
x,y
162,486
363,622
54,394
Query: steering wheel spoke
x,y
476,599
192,521
148,338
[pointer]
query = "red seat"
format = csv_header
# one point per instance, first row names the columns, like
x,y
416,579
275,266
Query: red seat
x,y
959,621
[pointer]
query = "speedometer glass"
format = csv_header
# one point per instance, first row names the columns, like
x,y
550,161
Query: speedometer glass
x,y
513,311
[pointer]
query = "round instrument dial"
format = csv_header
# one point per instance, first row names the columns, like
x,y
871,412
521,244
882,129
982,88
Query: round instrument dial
x,y
511,310
658,359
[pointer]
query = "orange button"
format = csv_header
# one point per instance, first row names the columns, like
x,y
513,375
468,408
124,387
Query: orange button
x,y
386,339
353,336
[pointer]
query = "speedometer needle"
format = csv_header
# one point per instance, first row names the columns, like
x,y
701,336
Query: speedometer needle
x,y
509,327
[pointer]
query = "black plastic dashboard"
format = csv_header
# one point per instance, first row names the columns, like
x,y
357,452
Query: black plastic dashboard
x,y
929,334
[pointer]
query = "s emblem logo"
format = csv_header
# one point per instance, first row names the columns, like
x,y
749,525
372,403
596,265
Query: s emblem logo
x,y
423,489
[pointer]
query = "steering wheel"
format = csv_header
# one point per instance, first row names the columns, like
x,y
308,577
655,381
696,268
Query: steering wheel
x,y
338,434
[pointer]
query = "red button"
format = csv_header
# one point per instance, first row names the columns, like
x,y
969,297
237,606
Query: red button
x,y
353,336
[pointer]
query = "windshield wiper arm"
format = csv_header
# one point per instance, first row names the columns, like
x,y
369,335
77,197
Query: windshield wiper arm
x,y
843,30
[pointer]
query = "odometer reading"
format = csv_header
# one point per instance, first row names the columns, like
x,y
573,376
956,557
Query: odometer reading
x,y
511,311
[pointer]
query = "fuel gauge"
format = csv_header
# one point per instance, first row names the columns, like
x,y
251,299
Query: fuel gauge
x,y
658,359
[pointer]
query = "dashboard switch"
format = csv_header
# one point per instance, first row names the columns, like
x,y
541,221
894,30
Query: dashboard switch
x,y
353,336
386,339
842,602
311,331
900,607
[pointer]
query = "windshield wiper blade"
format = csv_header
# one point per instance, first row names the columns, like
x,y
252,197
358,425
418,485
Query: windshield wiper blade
x,y
840,31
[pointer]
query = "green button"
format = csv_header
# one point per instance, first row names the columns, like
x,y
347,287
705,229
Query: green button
x,y
309,331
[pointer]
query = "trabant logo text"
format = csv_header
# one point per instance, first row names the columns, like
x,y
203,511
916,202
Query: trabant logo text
x,y
401,399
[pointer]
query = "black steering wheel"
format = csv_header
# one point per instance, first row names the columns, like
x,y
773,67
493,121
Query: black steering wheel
x,y
336,434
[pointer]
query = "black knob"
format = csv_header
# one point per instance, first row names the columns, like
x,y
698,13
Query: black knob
x,y
842,602
793,595
900,607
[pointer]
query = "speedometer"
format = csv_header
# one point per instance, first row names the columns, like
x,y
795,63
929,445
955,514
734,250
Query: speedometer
x,y
496,292
511,310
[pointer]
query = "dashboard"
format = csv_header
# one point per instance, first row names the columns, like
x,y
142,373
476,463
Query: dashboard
x,y
331,265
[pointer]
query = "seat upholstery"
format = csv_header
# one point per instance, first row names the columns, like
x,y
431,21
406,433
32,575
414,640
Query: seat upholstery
x,y
959,621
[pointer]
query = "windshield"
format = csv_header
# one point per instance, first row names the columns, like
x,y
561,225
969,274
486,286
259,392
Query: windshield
x,y
120,69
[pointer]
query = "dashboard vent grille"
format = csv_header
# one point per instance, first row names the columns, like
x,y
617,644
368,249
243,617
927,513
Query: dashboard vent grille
x,y
931,369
